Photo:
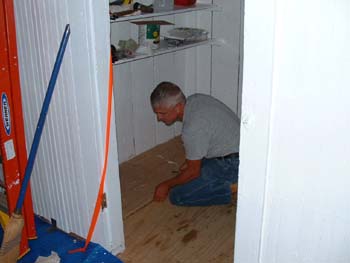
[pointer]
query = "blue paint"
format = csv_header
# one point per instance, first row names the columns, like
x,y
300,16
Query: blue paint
x,y
60,242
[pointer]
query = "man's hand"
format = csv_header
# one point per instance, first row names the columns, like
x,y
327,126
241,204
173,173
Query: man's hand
x,y
188,171
183,166
161,192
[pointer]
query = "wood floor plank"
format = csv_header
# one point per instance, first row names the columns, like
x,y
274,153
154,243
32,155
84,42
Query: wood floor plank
x,y
161,232
140,175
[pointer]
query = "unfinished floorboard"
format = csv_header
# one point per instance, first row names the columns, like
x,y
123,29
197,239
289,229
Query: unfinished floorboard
x,y
161,232
139,176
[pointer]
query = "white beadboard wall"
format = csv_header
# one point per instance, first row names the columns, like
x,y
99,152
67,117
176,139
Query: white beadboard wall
x,y
293,203
68,166
228,57
205,69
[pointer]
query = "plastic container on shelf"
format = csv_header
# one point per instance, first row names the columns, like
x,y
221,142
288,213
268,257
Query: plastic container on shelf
x,y
163,5
184,2
188,34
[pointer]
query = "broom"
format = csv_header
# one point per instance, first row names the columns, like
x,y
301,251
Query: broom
x,y
9,250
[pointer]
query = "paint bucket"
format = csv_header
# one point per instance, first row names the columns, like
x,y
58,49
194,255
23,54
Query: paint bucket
x,y
153,34
149,38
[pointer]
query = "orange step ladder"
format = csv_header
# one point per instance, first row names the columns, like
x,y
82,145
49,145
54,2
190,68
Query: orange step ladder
x,y
12,137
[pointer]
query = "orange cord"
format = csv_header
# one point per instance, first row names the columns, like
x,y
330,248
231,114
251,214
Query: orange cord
x,y
103,177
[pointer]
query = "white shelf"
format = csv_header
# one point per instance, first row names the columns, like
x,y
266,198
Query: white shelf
x,y
176,10
163,49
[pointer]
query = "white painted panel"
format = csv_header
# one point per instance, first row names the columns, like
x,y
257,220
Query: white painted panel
x,y
304,181
256,100
190,85
70,156
307,215
204,55
203,69
180,71
143,116
226,56
124,111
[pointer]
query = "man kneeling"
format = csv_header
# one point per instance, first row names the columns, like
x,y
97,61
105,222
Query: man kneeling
x,y
210,134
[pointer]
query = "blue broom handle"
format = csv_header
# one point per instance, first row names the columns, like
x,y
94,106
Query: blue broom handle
x,y
42,118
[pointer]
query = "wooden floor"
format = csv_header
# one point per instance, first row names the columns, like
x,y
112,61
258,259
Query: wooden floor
x,y
161,232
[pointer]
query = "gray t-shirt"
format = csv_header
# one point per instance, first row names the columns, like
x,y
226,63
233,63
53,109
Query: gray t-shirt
x,y
210,128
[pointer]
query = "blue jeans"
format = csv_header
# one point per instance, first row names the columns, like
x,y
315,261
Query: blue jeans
x,y
212,187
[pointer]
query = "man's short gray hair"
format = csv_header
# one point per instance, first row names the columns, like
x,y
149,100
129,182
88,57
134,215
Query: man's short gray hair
x,y
167,94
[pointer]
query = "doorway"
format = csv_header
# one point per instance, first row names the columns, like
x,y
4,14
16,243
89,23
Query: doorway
x,y
150,152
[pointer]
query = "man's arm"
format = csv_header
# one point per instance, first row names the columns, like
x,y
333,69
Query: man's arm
x,y
189,171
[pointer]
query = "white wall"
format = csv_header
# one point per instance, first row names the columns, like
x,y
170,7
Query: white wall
x,y
70,157
294,175
227,57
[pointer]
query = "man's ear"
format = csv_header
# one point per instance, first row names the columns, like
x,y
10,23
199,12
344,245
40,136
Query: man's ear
x,y
180,107
177,108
